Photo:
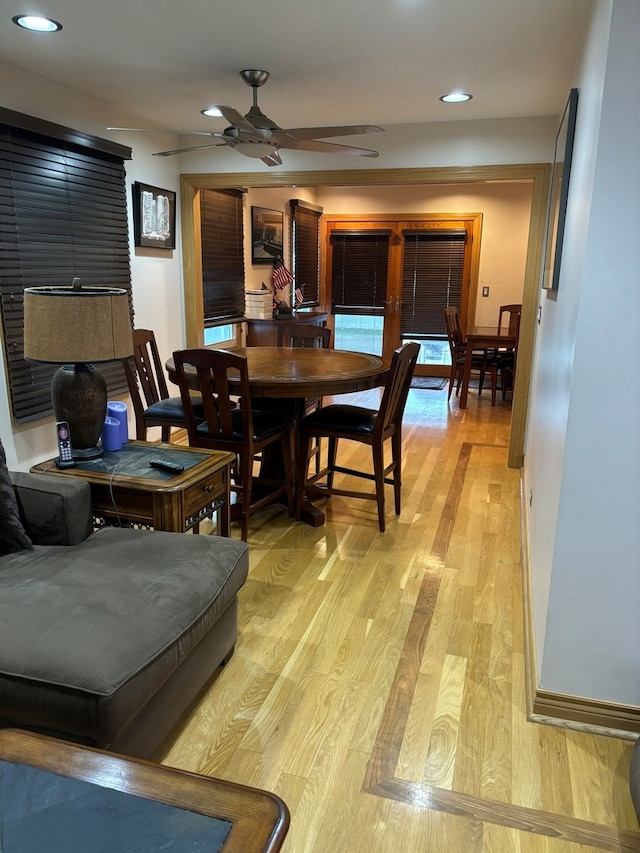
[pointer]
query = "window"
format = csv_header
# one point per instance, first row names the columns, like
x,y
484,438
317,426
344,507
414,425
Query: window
x,y
432,276
305,249
359,272
359,264
63,213
222,256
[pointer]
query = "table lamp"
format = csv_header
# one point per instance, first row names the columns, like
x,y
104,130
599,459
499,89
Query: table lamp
x,y
75,327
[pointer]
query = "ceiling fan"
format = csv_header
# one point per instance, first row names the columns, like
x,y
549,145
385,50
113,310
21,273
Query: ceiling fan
x,y
255,135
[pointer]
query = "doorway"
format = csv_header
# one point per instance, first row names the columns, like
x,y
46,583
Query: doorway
x,y
389,279
536,173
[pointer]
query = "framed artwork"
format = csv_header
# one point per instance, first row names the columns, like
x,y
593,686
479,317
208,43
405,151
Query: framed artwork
x,y
267,228
154,217
558,192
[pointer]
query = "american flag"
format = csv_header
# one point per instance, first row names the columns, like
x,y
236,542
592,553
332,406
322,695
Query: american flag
x,y
281,276
299,296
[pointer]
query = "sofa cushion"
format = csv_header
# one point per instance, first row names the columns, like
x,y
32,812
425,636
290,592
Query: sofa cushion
x,y
13,536
89,633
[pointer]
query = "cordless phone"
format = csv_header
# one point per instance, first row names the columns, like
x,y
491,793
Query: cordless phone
x,y
65,458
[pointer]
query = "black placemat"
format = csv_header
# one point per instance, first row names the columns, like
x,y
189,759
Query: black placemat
x,y
41,811
133,459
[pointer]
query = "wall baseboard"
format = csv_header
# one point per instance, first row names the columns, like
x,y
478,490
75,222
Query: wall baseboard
x,y
543,706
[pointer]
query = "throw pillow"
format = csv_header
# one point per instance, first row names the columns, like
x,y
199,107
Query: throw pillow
x,y
13,536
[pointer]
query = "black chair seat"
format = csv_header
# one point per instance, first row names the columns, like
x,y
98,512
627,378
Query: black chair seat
x,y
170,410
352,420
265,425
477,361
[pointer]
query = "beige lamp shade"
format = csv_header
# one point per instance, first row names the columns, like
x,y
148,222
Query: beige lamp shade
x,y
66,325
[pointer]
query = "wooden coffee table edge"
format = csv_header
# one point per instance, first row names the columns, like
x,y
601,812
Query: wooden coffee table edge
x,y
260,819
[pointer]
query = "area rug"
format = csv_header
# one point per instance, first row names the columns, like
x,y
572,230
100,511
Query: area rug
x,y
429,383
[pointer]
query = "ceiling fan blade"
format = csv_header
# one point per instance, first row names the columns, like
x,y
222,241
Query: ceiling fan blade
x,y
327,147
190,148
273,159
238,121
161,130
325,132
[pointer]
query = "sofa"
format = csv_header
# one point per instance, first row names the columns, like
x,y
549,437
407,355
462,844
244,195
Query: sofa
x,y
106,637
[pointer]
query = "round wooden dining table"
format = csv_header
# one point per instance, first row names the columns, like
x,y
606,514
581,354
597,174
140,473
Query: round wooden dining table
x,y
288,376
300,372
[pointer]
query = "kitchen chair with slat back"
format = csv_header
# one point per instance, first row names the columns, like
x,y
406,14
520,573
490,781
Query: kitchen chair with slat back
x,y
368,426
306,335
152,405
242,430
480,363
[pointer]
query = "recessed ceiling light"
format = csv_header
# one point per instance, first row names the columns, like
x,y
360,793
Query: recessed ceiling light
x,y
212,112
455,97
37,23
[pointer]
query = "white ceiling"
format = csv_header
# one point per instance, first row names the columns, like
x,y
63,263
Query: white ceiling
x,y
334,62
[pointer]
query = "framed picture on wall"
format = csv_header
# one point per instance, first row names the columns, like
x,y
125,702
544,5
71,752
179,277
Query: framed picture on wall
x,y
558,192
267,229
154,217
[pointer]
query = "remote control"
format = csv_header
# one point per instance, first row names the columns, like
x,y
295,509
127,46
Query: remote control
x,y
171,467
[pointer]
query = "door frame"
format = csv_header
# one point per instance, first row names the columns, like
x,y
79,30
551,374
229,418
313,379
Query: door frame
x,y
397,223
537,173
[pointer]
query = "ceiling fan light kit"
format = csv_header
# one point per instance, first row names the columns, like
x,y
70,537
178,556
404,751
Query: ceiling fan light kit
x,y
255,135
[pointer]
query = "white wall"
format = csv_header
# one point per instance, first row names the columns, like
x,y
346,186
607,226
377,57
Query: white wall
x,y
582,457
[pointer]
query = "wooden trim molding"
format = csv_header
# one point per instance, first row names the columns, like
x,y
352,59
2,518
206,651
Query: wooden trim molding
x,y
558,709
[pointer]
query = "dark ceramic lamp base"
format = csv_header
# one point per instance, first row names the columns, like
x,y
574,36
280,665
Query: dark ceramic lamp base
x,y
79,396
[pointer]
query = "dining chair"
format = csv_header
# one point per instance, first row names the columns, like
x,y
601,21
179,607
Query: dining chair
x,y
152,405
310,336
481,362
514,311
367,426
241,429
507,359
303,335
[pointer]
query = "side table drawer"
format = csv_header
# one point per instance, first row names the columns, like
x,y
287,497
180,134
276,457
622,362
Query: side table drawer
x,y
208,491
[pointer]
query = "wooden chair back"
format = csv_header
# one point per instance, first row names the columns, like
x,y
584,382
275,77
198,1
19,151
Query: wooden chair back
x,y
454,332
514,310
303,335
147,385
396,387
214,370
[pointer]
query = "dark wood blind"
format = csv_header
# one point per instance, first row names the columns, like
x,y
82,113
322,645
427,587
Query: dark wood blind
x,y
305,249
63,213
222,255
359,272
433,266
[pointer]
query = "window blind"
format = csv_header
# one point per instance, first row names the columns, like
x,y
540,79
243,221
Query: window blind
x,y
433,266
305,249
222,255
63,213
359,272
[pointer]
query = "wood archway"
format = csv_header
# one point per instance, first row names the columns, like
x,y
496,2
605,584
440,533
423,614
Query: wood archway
x,y
538,173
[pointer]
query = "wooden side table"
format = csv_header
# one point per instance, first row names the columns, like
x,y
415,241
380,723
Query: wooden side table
x,y
126,491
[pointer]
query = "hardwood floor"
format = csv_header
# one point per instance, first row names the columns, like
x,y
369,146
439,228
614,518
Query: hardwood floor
x,y
378,683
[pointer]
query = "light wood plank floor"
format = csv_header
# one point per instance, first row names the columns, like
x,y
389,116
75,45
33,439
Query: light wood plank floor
x,y
378,682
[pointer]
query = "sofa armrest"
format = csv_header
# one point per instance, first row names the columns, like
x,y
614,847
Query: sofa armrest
x,y
54,510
